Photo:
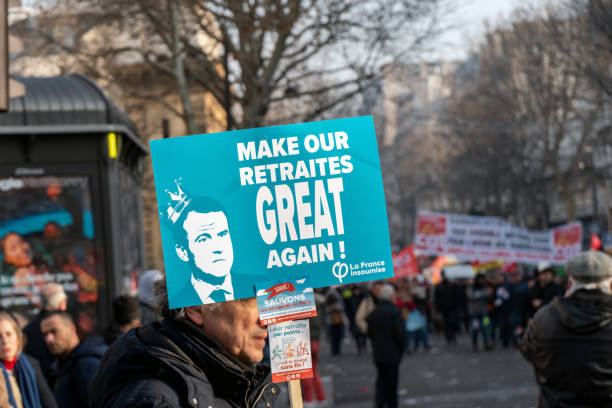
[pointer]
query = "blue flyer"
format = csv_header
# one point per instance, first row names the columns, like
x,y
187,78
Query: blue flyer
x,y
247,206
284,300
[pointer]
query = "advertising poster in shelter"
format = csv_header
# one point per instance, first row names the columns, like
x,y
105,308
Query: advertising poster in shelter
x,y
478,238
46,235
248,206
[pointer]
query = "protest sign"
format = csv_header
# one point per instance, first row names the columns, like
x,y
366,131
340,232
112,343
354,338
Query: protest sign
x,y
480,238
290,353
405,263
248,206
283,300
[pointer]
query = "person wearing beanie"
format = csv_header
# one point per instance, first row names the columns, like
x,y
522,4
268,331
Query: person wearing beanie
x,y
569,341
146,294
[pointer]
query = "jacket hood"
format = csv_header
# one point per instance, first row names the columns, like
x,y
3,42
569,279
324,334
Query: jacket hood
x,y
163,350
585,311
91,347
137,355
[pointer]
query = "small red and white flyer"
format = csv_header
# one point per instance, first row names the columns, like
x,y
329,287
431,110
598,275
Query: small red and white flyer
x,y
284,300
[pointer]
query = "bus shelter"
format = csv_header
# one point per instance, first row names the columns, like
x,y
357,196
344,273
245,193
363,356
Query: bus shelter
x,y
71,166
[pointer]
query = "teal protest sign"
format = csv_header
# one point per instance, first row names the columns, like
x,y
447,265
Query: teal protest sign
x,y
248,206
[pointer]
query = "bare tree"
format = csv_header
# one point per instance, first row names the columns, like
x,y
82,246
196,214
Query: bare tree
x,y
251,56
527,120
591,29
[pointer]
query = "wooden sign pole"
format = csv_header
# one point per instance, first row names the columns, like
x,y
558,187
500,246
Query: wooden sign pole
x,y
295,394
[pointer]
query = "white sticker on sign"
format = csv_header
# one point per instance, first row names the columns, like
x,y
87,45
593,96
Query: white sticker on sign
x,y
290,354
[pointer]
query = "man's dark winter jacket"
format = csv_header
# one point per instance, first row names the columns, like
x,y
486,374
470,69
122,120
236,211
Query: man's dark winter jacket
x,y
386,329
37,348
75,373
174,364
445,296
569,342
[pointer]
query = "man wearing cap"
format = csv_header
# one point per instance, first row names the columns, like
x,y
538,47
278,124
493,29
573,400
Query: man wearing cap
x,y
569,341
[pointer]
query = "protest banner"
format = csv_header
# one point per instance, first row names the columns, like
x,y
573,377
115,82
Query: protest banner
x,y
472,238
248,206
405,263
284,300
290,354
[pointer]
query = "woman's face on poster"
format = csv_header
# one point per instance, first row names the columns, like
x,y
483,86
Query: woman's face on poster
x,y
17,251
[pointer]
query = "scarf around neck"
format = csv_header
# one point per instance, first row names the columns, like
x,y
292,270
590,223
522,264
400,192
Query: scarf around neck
x,y
26,381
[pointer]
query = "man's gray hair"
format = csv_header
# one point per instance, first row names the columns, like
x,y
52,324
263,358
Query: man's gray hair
x,y
386,292
51,296
602,286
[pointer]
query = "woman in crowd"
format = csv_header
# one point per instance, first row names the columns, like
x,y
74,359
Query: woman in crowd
x,y
22,384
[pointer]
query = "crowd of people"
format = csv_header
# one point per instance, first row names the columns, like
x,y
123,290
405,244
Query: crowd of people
x,y
49,361
495,306
493,309
213,355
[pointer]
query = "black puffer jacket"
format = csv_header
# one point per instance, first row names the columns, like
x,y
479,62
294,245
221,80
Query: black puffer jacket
x,y
173,364
386,330
569,342
75,373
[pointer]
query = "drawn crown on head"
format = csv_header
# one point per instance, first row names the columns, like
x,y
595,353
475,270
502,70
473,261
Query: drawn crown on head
x,y
178,202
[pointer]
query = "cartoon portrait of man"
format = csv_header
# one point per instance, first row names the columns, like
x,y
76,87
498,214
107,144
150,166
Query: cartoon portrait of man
x,y
202,240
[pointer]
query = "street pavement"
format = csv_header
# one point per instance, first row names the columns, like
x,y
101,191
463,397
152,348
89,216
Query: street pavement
x,y
444,377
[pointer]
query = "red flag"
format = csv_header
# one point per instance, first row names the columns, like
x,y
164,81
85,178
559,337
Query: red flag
x,y
595,242
405,263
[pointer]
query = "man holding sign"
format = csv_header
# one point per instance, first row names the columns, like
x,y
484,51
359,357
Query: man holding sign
x,y
294,196
198,356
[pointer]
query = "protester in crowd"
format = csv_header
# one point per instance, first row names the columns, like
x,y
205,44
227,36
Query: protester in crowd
x,y
198,356
502,304
386,331
335,319
445,302
76,361
146,294
52,297
352,299
126,316
545,289
478,298
313,387
416,321
461,305
22,383
519,292
366,306
569,341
